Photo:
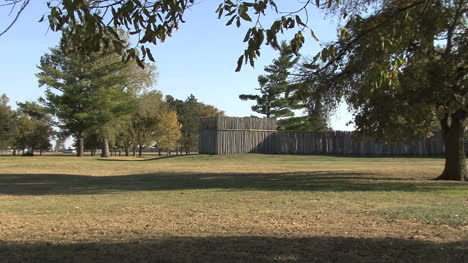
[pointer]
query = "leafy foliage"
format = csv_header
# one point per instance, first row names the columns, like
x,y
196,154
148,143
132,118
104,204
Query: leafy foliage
x,y
95,24
402,69
169,131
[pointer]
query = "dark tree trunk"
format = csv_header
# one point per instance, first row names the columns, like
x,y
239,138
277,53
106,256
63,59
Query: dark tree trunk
x,y
453,130
127,153
140,150
80,152
40,152
14,152
105,148
134,150
159,152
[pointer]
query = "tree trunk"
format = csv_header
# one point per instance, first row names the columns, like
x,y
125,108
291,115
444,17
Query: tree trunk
x,y
40,152
453,130
14,151
105,148
80,151
126,151
140,150
159,152
134,150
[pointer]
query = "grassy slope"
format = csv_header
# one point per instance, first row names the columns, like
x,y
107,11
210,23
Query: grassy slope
x,y
230,209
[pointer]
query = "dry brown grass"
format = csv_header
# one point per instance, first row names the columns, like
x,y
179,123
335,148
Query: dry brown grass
x,y
246,208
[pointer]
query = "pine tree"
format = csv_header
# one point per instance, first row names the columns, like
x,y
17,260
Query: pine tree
x,y
7,124
271,101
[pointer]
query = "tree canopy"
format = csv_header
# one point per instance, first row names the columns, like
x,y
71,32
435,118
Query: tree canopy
x,y
402,69
93,25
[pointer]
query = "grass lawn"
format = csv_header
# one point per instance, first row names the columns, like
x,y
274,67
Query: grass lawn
x,y
241,208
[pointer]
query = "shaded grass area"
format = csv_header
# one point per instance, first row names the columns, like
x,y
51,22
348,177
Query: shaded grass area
x,y
239,249
69,184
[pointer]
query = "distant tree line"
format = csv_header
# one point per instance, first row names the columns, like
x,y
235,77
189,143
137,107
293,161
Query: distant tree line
x,y
105,104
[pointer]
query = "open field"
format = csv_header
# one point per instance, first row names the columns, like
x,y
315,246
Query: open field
x,y
244,208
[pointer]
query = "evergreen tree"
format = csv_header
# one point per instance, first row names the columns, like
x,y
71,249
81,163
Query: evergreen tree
x,y
7,124
271,101
92,90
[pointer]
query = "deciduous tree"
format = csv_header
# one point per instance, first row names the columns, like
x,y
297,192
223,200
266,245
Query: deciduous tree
x,y
402,68
168,133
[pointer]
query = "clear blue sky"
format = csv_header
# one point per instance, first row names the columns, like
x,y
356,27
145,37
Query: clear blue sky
x,y
200,58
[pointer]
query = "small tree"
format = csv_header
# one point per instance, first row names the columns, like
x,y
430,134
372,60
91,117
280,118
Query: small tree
x,y
169,131
32,134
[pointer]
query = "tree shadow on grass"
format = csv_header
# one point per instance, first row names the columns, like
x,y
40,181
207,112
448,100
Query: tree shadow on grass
x,y
143,158
238,249
63,184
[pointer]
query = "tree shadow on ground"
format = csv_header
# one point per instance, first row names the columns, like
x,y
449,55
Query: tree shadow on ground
x,y
63,184
238,249
143,158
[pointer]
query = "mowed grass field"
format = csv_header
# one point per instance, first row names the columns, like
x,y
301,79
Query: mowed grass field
x,y
241,208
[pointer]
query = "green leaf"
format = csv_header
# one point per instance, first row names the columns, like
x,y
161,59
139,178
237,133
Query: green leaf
x,y
313,35
139,62
229,22
150,56
239,63
324,55
311,66
245,16
299,21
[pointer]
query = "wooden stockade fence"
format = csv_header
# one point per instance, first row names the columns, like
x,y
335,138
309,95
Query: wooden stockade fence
x,y
231,135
